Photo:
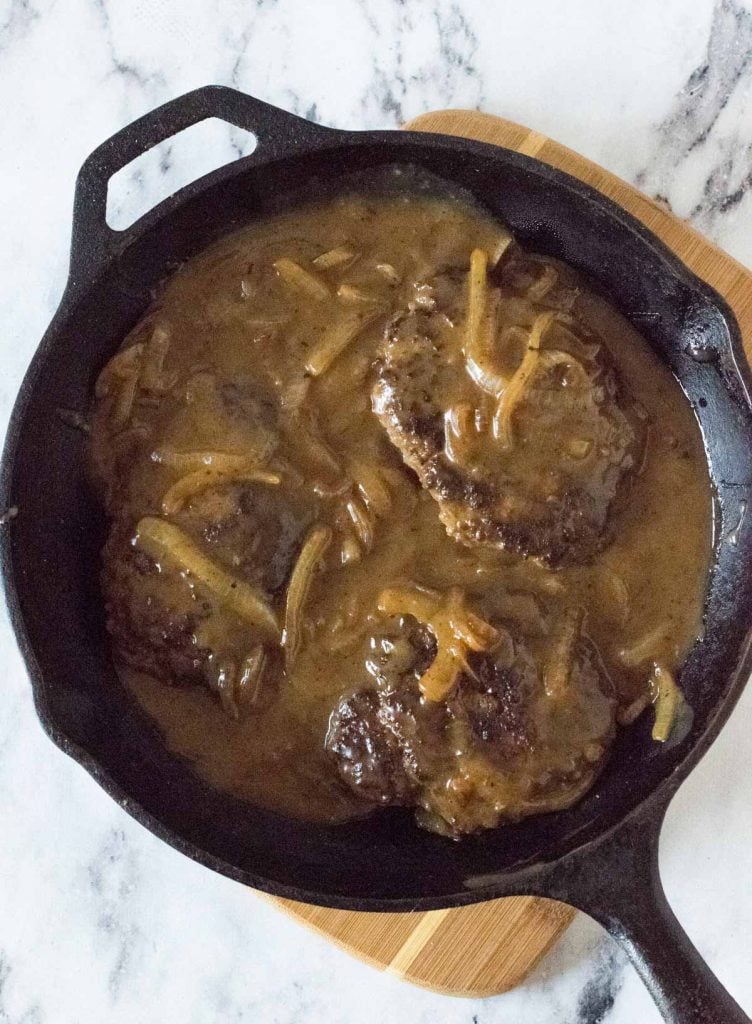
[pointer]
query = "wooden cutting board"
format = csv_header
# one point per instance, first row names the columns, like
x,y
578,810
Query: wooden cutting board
x,y
489,948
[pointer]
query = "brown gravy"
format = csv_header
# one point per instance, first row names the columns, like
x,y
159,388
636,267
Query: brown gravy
x,y
228,374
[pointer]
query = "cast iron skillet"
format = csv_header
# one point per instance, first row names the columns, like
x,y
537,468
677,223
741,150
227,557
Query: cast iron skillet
x,y
601,855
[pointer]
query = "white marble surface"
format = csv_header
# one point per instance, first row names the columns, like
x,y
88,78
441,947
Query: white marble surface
x,y
98,920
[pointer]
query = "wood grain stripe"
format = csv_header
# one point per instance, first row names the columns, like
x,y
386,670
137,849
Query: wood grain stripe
x,y
532,144
419,939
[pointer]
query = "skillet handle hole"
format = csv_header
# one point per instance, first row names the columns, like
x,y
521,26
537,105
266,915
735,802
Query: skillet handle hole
x,y
171,165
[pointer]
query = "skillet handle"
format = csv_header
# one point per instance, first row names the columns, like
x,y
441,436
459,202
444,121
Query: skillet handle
x,y
617,882
277,132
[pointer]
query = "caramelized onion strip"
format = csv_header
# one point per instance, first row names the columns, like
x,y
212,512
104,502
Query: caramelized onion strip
x,y
120,377
124,365
421,604
480,326
351,295
152,365
164,541
350,550
440,678
304,433
123,407
372,488
501,249
557,357
667,702
645,649
186,462
561,658
632,711
481,362
540,288
389,273
510,398
335,339
293,274
362,521
460,432
338,257
477,288
208,477
314,547
251,676
456,629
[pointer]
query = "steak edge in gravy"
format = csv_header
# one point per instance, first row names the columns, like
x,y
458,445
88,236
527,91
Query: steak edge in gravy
x,y
400,514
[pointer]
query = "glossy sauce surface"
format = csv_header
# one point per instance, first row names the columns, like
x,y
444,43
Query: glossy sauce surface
x,y
231,375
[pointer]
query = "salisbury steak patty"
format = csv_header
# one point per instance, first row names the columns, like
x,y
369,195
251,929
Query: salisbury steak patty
x,y
539,482
164,625
151,622
498,748
376,741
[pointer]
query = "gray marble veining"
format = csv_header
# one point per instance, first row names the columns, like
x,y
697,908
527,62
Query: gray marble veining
x,y
98,920
695,139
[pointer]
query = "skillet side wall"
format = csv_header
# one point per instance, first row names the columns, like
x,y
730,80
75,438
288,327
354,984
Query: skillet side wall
x,y
51,551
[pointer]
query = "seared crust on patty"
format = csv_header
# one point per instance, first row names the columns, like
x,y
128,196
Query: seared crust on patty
x,y
509,500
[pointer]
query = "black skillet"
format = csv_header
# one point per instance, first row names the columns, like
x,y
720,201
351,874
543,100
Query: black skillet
x,y
600,856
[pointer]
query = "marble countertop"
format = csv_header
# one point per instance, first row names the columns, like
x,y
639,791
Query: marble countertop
x,y
99,921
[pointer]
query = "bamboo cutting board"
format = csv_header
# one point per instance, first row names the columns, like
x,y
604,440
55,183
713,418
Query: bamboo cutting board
x,y
489,948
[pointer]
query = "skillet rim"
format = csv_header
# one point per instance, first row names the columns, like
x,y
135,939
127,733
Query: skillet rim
x,y
730,353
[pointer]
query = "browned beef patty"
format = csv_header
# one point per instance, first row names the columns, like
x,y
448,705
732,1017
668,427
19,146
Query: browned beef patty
x,y
548,493
497,749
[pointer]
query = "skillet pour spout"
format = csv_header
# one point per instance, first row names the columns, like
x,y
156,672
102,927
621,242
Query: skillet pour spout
x,y
600,855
